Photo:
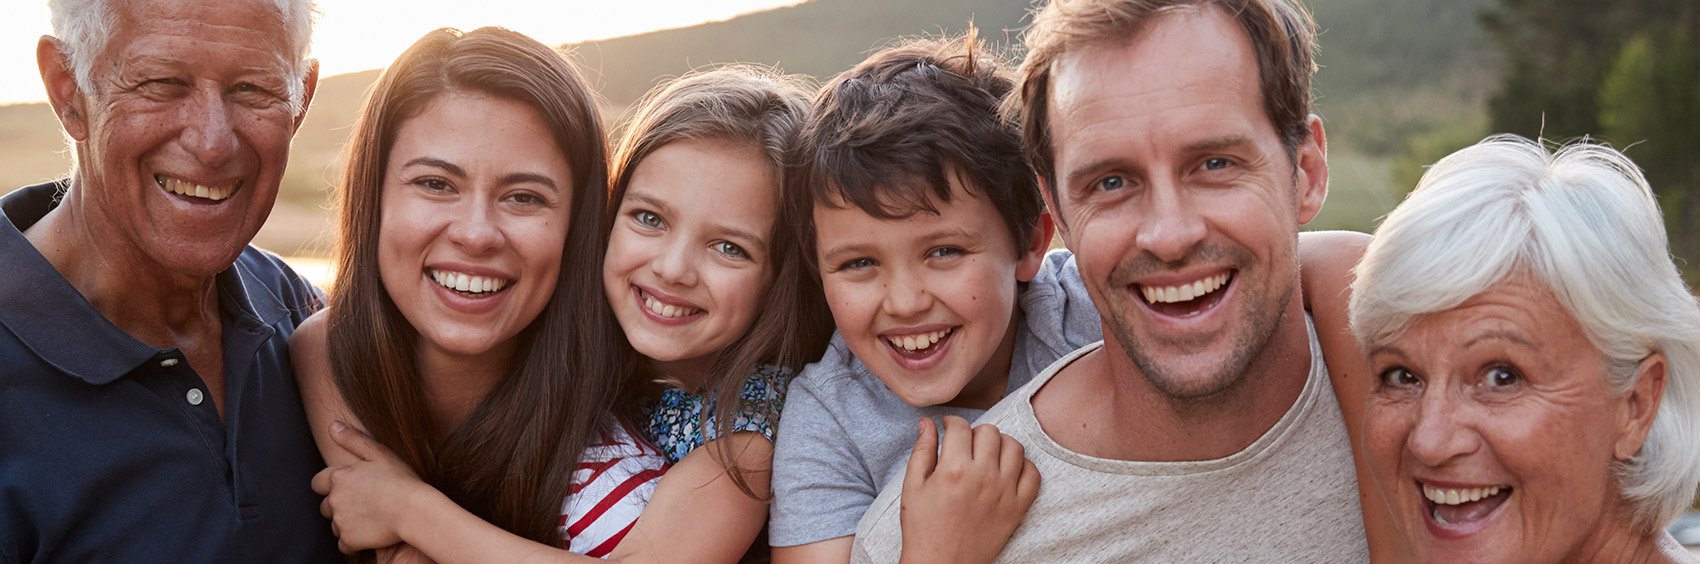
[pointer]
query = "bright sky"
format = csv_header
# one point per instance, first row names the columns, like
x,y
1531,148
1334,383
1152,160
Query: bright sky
x,y
355,35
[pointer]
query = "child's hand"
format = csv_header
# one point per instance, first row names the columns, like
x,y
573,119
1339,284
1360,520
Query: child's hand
x,y
961,502
366,500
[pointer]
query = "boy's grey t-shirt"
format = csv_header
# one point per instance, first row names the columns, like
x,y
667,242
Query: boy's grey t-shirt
x,y
845,434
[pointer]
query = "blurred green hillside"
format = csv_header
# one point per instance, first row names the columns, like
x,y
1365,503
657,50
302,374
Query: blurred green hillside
x,y
1394,74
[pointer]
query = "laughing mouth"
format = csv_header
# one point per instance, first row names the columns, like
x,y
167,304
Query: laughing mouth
x,y
666,310
467,284
1452,507
1186,300
920,344
192,190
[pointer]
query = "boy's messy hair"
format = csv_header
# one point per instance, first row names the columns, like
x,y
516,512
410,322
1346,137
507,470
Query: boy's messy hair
x,y
736,104
889,135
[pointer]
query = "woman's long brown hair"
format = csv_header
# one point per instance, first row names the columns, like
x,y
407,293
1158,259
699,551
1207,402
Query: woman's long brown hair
x,y
740,104
512,460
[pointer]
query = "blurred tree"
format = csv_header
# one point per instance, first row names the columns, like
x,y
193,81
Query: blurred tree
x,y
1650,102
1625,72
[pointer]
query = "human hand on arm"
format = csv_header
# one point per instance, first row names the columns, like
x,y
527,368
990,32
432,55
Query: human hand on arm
x,y
961,502
698,514
1326,261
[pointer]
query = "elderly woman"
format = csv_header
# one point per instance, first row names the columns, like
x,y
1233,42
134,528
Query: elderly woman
x,y
1536,361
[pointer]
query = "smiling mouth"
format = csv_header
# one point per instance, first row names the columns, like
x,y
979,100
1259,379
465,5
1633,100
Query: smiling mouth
x,y
1186,300
1454,507
466,284
191,190
665,310
920,345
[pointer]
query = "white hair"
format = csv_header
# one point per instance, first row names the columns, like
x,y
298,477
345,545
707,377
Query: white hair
x,y
84,26
1585,222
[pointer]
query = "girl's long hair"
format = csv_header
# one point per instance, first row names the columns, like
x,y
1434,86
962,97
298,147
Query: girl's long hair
x,y
756,106
512,460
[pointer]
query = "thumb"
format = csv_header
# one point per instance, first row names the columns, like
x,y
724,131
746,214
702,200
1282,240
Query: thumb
x,y
355,441
924,456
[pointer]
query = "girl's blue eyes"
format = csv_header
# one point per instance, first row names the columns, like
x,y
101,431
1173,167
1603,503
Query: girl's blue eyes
x,y
647,218
730,249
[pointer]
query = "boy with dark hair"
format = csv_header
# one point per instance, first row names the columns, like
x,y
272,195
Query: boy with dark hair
x,y
927,229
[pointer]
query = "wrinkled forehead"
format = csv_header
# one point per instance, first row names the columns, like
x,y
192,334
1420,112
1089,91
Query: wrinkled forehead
x,y
253,30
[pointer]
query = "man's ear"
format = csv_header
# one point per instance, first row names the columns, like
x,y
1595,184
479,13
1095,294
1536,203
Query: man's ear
x,y
1641,406
1049,197
63,94
1034,255
310,84
1311,162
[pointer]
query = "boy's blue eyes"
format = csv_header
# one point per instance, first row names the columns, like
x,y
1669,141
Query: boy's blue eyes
x,y
854,264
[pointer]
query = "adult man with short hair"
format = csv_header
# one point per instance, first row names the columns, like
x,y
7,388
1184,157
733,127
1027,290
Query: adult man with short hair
x,y
1175,146
147,409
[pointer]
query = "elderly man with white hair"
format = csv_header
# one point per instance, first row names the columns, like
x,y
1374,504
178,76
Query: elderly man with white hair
x,y
147,408
1537,361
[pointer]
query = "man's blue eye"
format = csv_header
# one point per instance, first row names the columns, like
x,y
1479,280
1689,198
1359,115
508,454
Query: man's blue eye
x,y
1112,183
1215,163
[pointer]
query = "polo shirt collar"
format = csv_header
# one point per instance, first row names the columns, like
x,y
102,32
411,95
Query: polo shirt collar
x,y
50,317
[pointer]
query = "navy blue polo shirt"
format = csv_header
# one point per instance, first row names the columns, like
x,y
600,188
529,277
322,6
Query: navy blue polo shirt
x,y
110,450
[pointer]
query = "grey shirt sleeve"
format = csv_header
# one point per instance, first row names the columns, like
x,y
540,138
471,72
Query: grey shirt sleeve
x,y
821,486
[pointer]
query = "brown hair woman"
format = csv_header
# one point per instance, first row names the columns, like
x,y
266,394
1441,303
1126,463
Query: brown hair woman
x,y
466,332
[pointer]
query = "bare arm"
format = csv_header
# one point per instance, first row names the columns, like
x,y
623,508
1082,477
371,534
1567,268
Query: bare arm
x,y
830,551
310,355
1326,262
697,514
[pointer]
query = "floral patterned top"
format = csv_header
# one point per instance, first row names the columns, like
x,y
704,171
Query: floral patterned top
x,y
675,419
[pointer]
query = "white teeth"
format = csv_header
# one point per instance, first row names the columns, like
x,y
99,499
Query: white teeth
x,y
1458,496
667,310
461,282
1183,292
185,188
914,343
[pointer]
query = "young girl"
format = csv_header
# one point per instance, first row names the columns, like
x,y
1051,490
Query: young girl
x,y
706,286
467,332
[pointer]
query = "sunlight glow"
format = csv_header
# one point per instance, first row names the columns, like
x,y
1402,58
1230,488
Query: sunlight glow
x,y
355,35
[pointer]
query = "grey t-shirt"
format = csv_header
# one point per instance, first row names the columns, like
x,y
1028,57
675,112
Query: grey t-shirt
x,y
844,433
1291,496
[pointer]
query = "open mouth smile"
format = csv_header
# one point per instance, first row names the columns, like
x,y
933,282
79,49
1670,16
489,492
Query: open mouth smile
x,y
920,350
468,285
665,308
1186,300
1458,512
194,192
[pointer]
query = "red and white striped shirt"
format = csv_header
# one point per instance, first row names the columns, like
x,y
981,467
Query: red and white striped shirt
x,y
613,483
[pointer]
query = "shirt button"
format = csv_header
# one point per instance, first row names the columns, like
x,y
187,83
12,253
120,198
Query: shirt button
x,y
195,396
168,363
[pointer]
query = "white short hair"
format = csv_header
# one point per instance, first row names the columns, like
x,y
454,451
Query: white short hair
x,y
84,26
1585,222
